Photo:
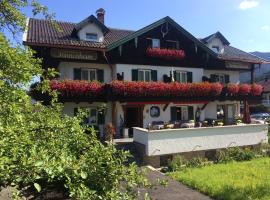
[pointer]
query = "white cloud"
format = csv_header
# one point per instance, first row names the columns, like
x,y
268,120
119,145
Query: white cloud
x,y
265,28
247,4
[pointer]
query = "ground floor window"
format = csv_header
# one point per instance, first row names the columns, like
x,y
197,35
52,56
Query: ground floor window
x,y
226,113
92,118
182,113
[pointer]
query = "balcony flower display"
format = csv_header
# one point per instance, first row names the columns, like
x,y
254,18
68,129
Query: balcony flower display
x,y
169,54
160,89
244,89
232,89
73,88
123,89
256,89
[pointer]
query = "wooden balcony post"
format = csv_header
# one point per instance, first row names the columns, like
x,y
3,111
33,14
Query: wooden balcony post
x,y
252,74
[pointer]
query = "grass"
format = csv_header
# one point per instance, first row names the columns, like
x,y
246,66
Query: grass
x,y
248,180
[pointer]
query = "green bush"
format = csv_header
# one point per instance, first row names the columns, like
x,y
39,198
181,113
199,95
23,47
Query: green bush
x,y
235,154
178,163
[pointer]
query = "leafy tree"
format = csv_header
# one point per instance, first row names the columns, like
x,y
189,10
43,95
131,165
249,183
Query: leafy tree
x,y
40,148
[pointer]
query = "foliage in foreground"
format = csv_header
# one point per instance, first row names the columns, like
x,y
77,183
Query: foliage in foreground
x,y
235,180
41,149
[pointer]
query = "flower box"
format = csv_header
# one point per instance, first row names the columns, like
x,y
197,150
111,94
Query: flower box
x,y
122,89
73,88
170,54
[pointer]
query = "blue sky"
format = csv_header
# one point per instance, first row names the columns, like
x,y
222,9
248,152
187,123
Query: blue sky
x,y
245,23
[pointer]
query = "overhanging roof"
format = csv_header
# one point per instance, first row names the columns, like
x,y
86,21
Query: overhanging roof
x,y
156,24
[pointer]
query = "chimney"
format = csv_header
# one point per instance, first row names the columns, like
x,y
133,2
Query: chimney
x,y
100,15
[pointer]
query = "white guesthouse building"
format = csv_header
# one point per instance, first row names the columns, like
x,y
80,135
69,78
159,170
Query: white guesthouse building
x,y
162,52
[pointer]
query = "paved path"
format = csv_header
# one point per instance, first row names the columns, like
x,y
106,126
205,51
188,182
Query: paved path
x,y
172,191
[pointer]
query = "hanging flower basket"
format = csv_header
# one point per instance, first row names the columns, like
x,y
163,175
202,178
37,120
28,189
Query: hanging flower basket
x,y
170,54
232,89
256,89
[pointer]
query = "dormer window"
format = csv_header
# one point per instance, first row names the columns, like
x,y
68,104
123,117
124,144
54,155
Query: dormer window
x,y
155,43
215,49
91,37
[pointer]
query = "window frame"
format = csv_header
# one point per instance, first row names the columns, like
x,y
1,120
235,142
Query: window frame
x,y
219,78
96,116
90,39
215,48
89,108
180,76
173,41
89,70
157,40
144,72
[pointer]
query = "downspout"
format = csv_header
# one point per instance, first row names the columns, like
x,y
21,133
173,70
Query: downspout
x,y
114,121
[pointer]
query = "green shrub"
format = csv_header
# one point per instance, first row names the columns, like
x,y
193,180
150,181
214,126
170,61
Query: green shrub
x,y
41,149
178,163
196,162
235,154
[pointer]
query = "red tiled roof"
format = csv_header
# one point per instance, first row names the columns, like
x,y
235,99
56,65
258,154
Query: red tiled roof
x,y
45,33
265,84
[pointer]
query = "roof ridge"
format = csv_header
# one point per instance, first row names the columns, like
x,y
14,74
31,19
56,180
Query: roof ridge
x,y
120,29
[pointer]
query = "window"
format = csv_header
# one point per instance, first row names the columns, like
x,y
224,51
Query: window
x,y
180,76
89,74
220,111
91,37
184,113
171,44
222,78
155,43
91,119
144,75
215,49
92,116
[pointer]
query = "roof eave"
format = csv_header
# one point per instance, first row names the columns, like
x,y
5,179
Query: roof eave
x,y
33,44
243,60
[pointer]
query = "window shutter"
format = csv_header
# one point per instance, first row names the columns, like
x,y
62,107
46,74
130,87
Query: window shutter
x,y
154,75
77,74
190,113
227,78
100,75
189,77
173,114
75,112
134,75
213,78
101,118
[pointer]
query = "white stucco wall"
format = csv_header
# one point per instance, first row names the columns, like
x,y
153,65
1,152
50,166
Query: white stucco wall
x,y
66,69
197,73
210,111
91,28
171,141
234,75
216,42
